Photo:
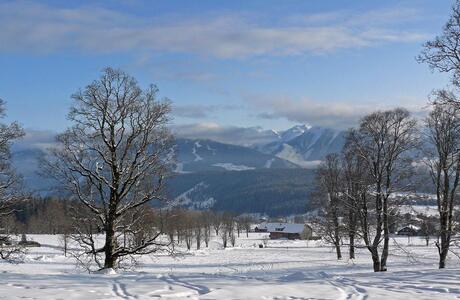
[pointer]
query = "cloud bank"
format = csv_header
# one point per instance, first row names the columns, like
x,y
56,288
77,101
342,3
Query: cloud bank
x,y
339,115
244,136
34,27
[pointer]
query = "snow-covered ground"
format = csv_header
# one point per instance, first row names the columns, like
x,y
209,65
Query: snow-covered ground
x,y
283,270
427,210
233,167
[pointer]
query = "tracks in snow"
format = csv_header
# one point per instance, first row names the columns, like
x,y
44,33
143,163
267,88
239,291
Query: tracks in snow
x,y
119,290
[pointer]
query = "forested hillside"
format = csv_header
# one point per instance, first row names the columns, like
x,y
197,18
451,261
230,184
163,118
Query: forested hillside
x,y
275,192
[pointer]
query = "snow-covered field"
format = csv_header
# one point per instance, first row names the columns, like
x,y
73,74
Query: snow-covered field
x,y
283,270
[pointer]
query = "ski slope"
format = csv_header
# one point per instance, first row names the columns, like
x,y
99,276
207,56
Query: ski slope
x,y
283,270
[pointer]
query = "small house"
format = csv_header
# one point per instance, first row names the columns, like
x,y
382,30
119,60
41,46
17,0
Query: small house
x,y
409,230
289,231
261,228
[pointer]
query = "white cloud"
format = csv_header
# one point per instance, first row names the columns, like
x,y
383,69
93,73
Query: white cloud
x,y
198,111
27,26
36,139
340,115
225,134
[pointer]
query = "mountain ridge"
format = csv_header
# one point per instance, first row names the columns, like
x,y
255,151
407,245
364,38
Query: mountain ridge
x,y
271,178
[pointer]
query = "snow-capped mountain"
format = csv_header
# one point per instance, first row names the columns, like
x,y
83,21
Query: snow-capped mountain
x,y
205,155
304,145
294,132
265,177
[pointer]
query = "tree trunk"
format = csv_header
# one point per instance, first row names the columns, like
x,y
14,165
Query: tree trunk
x,y
339,252
110,260
442,256
198,243
443,249
375,259
351,232
337,234
352,246
386,236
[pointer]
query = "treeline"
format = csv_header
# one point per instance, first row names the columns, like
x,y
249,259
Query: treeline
x,y
40,216
191,228
197,227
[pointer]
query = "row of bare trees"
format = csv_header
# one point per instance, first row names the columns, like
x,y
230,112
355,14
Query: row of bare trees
x,y
443,54
196,227
358,185
379,159
359,181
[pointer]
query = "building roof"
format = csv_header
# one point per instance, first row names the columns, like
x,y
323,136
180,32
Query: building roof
x,y
285,227
410,226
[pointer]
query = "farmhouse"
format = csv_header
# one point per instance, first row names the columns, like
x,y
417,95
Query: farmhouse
x,y
409,230
289,231
261,228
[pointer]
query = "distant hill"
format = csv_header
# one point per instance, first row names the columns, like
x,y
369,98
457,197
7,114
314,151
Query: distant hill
x,y
272,191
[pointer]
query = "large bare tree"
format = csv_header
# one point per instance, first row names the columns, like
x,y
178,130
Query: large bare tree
x,y
9,182
443,160
443,54
381,141
114,160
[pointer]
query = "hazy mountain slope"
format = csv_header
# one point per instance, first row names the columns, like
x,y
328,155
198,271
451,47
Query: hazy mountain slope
x,y
271,191
303,145
27,164
206,155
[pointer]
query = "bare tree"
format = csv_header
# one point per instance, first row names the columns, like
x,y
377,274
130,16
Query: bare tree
x,y
227,229
245,223
207,223
355,190
217,222
224,234
9,183
188,230
114,160
198,226
328,176
382,140
443,53
427,227
443,160
176,224
239,226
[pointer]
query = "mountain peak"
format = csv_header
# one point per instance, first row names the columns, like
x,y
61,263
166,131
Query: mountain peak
x,y
294,132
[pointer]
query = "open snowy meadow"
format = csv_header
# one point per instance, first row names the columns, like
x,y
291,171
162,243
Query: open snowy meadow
x,y
282,270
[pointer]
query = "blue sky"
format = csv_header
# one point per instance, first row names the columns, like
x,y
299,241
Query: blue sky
x,y
223,63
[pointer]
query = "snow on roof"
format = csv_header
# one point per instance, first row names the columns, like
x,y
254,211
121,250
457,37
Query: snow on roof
x,y
413,227
285,227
